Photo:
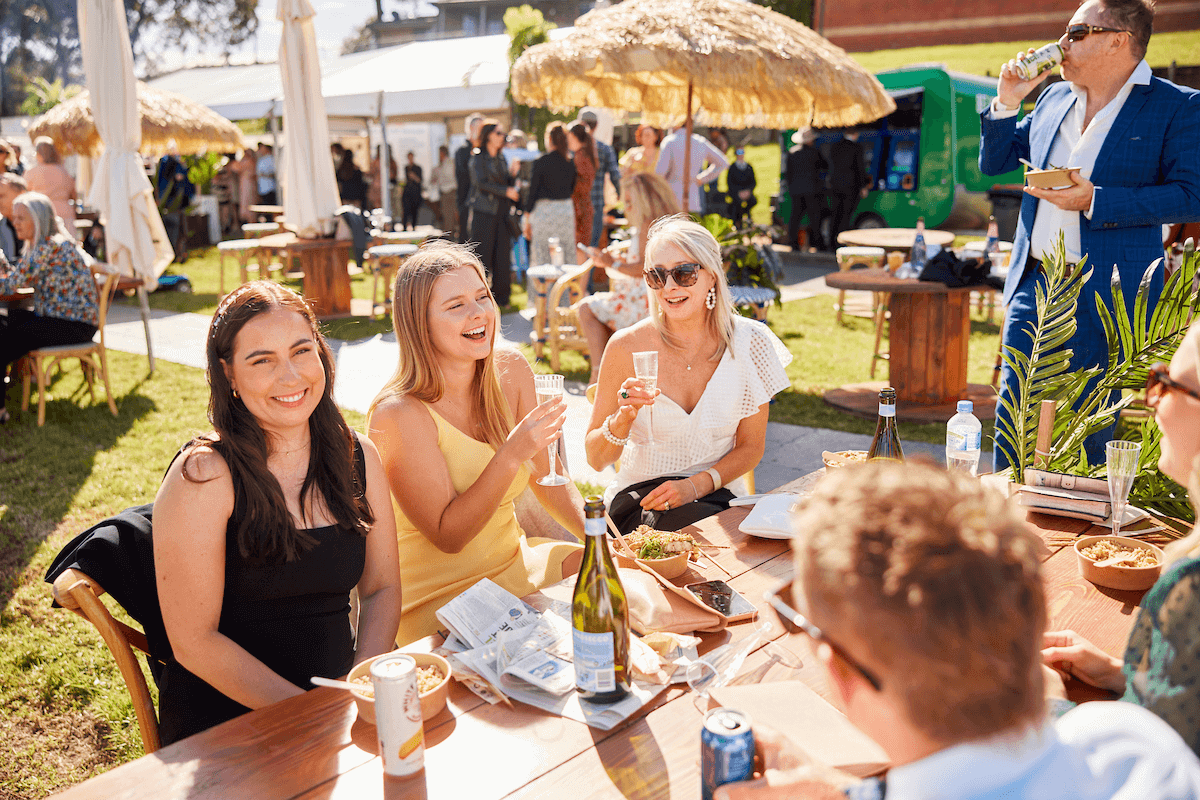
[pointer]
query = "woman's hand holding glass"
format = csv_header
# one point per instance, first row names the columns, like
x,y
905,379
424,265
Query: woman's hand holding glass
x,y
537,431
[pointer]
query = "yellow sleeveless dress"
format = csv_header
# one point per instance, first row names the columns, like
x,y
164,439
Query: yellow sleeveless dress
x,y
500,551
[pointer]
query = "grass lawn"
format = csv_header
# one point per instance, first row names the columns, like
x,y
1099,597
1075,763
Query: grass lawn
x,y
66,713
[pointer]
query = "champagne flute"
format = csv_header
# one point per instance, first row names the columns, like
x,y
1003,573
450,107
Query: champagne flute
x,y
645,369
550,388
1122,467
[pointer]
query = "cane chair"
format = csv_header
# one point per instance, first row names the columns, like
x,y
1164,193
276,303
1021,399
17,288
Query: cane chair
x,y
93,357
562,323
748,478
76,591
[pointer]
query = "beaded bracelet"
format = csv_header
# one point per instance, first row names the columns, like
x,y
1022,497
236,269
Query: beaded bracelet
x,y
611,437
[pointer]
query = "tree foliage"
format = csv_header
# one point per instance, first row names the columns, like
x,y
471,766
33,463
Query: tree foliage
x,y
40,38
526,27
799,10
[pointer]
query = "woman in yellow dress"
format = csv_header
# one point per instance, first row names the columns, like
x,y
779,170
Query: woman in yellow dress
x,y
644,156
460,432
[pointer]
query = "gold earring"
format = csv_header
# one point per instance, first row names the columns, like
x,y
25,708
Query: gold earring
x,y
235,393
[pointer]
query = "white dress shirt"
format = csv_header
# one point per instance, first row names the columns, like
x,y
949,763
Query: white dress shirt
x,y
670,165
1076,148
1097,751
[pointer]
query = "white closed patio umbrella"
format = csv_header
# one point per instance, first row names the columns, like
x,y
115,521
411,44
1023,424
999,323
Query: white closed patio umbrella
x,y
310,192
135,240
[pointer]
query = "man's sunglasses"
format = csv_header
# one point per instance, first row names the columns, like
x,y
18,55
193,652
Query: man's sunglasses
x,y
1077,33
1159,382
684,275
795,622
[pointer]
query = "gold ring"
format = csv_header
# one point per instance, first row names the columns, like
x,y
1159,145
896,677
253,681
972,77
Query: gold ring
x,y
668,505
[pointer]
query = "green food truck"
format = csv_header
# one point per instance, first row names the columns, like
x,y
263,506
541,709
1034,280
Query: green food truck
x,y
923,158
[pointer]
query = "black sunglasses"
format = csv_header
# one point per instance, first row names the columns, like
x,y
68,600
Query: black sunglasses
x,y
1077,33
1159,382
684,275
795,622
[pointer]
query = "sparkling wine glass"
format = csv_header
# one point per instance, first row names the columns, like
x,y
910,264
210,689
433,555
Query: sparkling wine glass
x,y
1122,467
645,369
550,388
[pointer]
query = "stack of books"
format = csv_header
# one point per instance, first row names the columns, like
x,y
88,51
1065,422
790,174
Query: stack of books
x,y
1065,495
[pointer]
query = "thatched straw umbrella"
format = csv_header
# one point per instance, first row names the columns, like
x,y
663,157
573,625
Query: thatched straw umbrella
x,y
742,64
166,117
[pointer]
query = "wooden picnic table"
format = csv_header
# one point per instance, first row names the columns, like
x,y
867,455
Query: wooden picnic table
x,y
929,330
313,746
325,263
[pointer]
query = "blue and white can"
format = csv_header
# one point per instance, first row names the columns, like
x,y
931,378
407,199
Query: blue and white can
x,y
726,749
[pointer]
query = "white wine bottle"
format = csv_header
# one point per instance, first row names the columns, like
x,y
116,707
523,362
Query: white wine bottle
x,y
886,444
599,617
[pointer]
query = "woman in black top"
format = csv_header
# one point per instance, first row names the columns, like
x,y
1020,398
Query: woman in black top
x,y
263,527
492,195
551,212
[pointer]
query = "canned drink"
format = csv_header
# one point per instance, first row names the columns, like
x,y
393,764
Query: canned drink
x,y
726,749
398,714
1042,60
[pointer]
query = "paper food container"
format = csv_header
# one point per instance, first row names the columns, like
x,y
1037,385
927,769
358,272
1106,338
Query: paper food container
x,y
1049,178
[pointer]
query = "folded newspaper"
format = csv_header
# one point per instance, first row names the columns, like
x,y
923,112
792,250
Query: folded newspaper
x,y
502,646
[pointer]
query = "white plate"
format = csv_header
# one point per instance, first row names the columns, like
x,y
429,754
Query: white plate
x,y
1132,514
771,517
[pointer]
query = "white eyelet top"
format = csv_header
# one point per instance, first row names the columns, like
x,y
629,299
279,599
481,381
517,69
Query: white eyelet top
x,y
749,375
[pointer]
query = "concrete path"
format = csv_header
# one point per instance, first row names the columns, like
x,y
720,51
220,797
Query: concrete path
x,y
364,366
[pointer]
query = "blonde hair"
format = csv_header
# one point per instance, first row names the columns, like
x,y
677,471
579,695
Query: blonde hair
x,y
1190,544
698,244
417,372
938,584
648,197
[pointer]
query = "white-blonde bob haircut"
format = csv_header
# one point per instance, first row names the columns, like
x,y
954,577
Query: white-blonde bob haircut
x,y
697,244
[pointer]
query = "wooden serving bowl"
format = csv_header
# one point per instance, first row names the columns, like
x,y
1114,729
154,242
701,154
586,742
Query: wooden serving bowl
x,y
433,702
1117,576
670,568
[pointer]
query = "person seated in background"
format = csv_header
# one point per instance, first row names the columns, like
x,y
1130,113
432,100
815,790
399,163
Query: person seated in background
x,y
921,593
1162,660
263,527
717,371
459,429
66,305
11,187
647,199
50,178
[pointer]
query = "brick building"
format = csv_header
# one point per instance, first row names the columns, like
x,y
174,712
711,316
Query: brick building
x,y
863,25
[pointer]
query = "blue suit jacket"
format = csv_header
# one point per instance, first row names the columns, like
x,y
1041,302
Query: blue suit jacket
x,y
1146,174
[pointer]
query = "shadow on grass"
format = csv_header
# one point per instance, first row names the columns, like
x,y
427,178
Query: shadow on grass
x,y
42,469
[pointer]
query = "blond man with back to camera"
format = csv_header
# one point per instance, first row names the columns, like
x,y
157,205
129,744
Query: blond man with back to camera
x,y
922,595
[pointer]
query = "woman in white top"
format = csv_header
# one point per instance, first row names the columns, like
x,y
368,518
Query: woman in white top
x,y
717,371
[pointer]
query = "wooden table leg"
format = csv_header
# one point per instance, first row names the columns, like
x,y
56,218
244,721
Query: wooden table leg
x,y
928,346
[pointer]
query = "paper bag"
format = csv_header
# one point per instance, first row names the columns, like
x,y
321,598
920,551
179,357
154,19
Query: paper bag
x,y
807,719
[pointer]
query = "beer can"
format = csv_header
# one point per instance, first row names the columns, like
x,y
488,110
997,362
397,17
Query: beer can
x,y
726,749
398,714
1042,60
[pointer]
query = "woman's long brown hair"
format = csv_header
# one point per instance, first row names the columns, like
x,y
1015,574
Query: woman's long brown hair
x,y
265,529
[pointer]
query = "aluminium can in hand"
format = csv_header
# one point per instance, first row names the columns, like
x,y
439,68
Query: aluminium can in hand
x,y
726,749
1040,61
398,714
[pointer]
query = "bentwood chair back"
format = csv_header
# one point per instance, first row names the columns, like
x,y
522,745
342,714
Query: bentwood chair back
x,y
563,331
93,357
75,590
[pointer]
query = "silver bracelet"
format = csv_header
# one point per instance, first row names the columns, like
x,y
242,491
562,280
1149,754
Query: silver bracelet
x,y
716,477
695,491
611,437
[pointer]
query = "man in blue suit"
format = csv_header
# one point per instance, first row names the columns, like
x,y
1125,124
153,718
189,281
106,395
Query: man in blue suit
x,y
1134,143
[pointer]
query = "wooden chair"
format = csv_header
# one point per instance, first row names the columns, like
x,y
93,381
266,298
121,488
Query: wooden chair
x,y
76,591
562,323
382,262
881,315
93,358
590,393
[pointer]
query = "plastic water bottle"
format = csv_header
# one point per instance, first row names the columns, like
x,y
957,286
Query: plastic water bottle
x,y
992,245
556,251
964,436
917,256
